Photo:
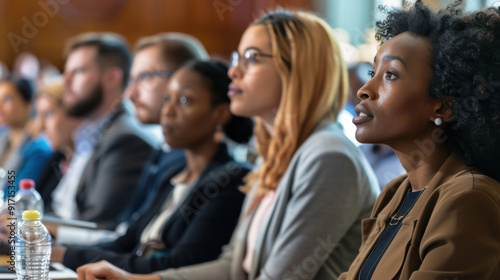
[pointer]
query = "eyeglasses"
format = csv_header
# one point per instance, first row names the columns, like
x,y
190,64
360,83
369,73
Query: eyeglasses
x,y
248,59
147,77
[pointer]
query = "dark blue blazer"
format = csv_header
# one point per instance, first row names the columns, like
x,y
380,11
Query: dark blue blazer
x,y
49,179
194,234
153,175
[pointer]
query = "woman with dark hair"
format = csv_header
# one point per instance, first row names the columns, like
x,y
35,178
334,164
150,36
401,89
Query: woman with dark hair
x,y
195,212
434,99
19,151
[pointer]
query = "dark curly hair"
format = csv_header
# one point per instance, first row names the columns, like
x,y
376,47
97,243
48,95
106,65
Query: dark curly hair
x,y
466,68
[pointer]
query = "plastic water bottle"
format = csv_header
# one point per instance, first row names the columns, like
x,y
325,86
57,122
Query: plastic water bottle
x,y
27,198
33,248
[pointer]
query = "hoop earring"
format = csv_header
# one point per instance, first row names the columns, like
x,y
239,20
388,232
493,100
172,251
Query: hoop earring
x,y
438,121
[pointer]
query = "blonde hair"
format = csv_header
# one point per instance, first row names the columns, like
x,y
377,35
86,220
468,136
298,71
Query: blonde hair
x,y
177,48
54,91
314,87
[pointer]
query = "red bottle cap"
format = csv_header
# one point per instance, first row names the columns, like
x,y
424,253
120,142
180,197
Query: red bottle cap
x,y
27,184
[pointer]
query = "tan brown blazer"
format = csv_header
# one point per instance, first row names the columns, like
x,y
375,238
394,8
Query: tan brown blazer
x,y
452,232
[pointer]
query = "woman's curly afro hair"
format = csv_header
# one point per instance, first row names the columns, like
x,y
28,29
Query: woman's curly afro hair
x,y
466,68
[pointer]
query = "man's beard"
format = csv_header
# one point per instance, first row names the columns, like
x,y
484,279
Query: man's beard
x,y
85,107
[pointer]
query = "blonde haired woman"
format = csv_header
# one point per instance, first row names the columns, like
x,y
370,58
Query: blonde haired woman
x,y
58,127
312,187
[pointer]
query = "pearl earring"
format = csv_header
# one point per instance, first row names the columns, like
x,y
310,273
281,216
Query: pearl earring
x,y
438,121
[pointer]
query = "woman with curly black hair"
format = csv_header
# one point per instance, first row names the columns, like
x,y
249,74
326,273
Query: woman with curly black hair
x,y
434,97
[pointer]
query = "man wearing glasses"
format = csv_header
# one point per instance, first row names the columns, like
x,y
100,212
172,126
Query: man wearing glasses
x,y
156,58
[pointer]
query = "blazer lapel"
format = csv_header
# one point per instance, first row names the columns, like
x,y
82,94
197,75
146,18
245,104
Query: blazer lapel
x,y
183,209
266,236
165,160
221,158
393,259
16,157
240,238
386,269
104,127
240,249
161,188
4,141
259,244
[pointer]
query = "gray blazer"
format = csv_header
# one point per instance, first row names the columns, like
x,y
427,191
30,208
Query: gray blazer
x,y
313,228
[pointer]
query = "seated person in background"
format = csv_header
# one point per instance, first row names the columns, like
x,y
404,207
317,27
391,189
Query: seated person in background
x,y
431,86
358,74
156,58
58,127
19,151
196,209
110,147
3,126
384,162
155,61
301,218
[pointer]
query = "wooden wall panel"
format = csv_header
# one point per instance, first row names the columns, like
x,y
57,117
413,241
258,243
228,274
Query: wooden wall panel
x,y
217,23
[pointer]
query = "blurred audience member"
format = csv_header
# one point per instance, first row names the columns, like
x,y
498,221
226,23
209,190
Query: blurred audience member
x,y
3,127
58,127
4,71
4,74
49,74
358,76
384,162
156,59
26,65
19,151
110,149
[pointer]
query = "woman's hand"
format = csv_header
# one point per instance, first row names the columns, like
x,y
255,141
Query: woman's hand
x,y
105,270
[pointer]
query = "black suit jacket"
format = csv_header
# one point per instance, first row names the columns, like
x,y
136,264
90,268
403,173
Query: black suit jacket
x,y
110,176
194,234
154,173
48,181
